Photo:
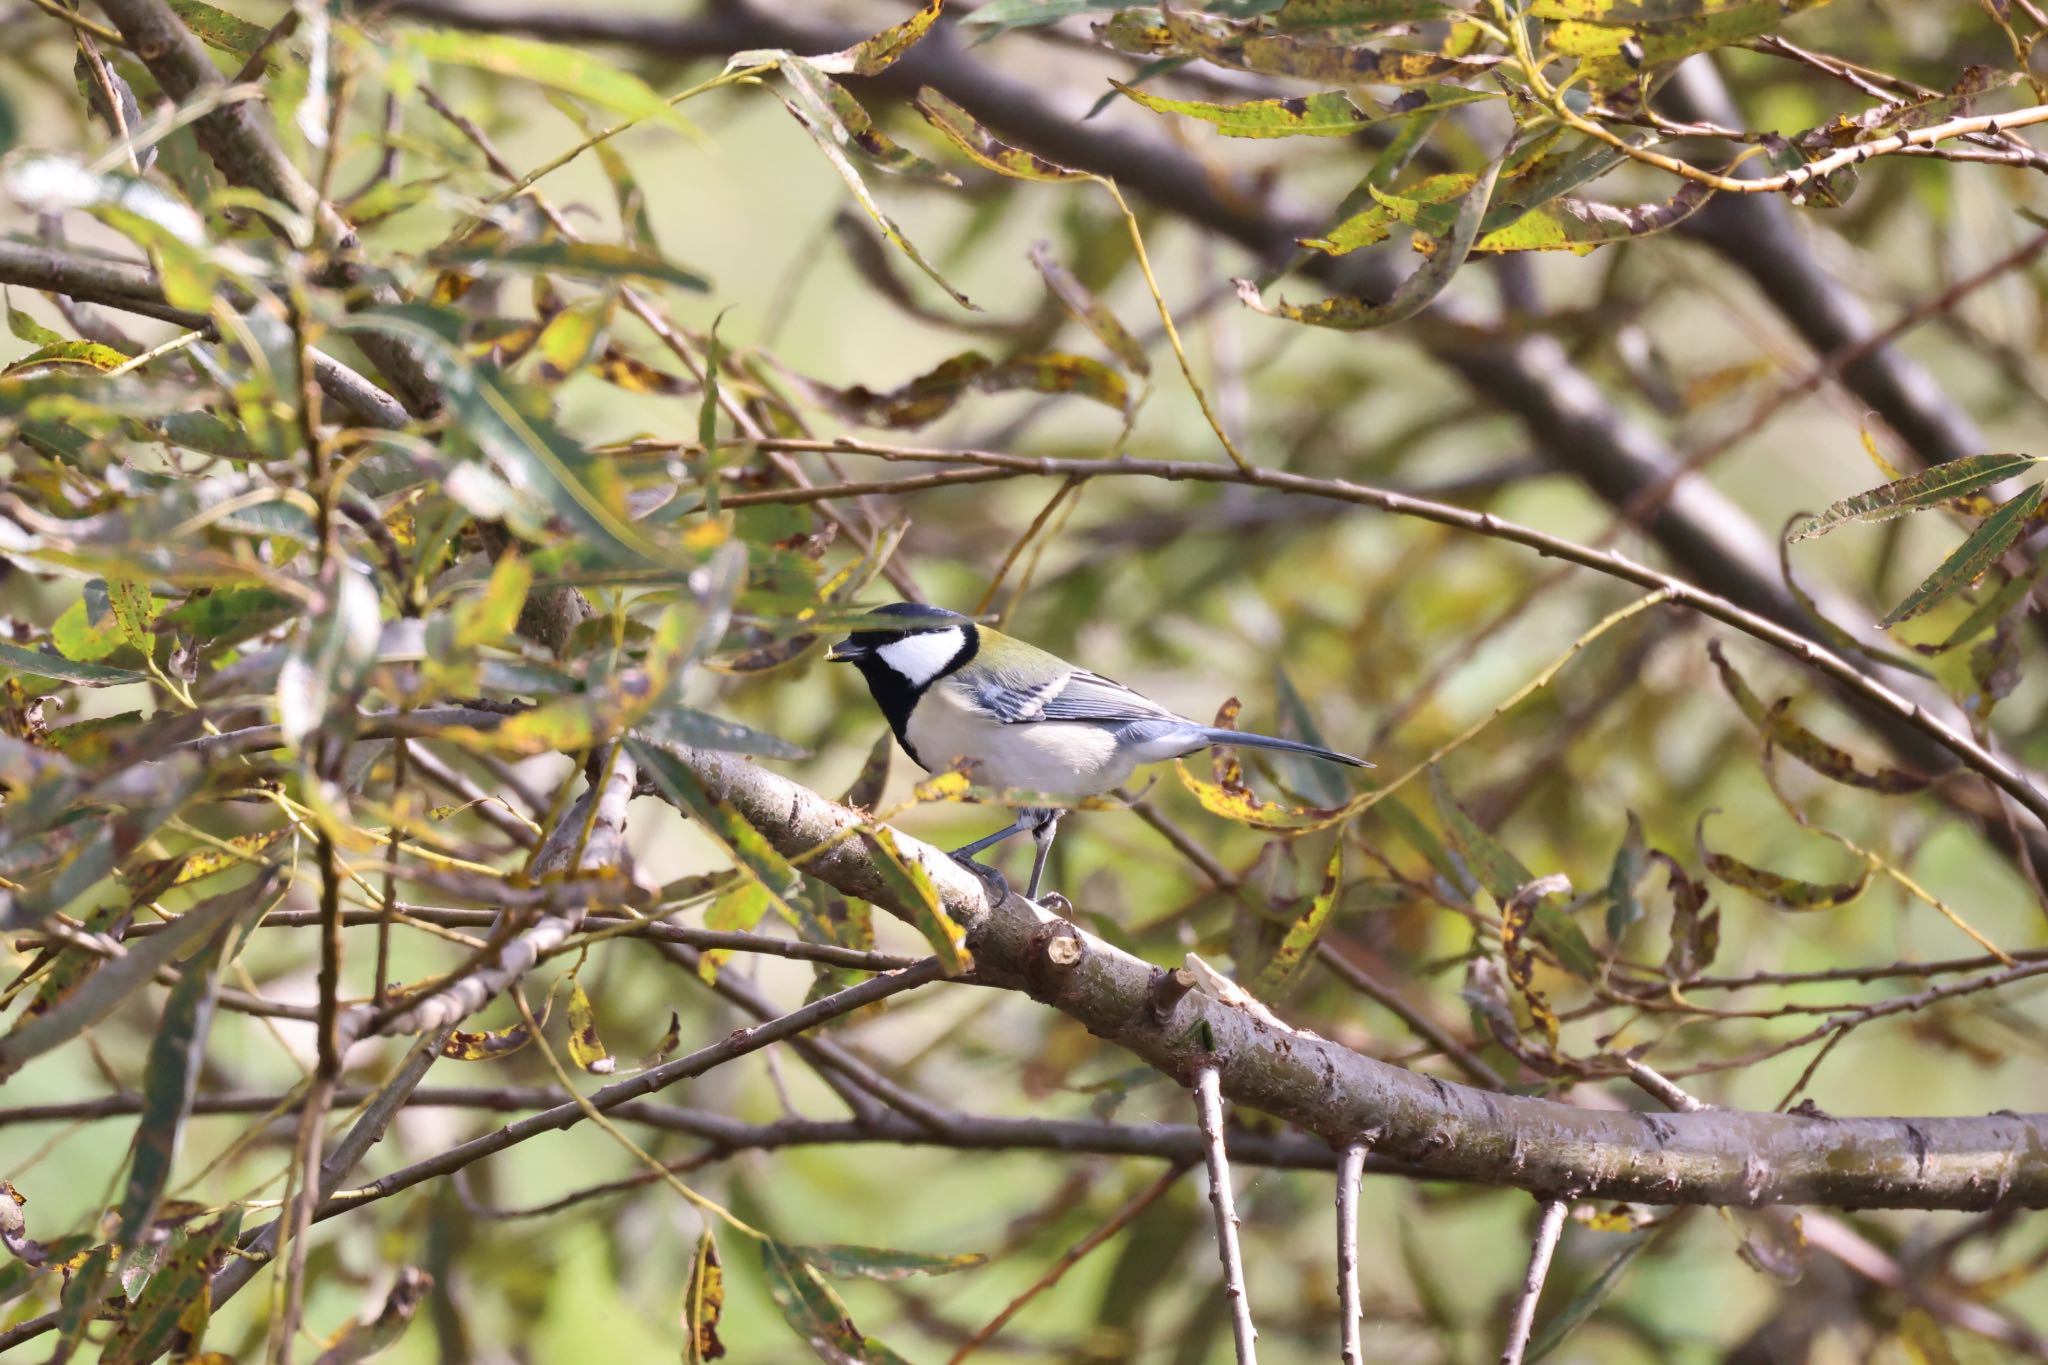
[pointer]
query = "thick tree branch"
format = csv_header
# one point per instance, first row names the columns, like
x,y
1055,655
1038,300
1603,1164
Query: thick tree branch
x,y
1446,1130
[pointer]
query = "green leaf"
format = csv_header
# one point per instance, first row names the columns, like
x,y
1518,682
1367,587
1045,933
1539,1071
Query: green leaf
x,y
1296,15
570,338
1786,893
879,1263
103,992
570,70
218,29
1929,488
999,15
917,898
1588,1300
18,659
1330,113
170,1077
1970,559
26,328
84,355
1291,958
599,260
1504,876
176,1288
829,106
817,1314
1413,294
672,727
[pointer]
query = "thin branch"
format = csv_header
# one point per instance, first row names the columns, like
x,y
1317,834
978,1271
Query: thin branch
x,y
1350,1175
1116,1223
1209,1116
1547,1233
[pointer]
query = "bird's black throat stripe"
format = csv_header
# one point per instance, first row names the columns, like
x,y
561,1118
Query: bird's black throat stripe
x,y
897,696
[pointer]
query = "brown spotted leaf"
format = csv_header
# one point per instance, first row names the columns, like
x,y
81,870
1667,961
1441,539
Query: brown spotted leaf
x,y
984,148
1786,893
934,393
586,1048
703,1303
917,899
1795,739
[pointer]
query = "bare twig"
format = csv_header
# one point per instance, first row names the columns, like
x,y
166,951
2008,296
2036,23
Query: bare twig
x,y
1209,1116
1547,1232
1350,1175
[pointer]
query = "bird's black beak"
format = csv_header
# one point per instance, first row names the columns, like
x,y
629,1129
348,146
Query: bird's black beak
x,y
844,652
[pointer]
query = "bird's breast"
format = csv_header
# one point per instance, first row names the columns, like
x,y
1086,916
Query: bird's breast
x,y
1058,758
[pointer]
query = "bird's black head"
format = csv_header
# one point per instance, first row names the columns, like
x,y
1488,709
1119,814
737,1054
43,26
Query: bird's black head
x,y
908,647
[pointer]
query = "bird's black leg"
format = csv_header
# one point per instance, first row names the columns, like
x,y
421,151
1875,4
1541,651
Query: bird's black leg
x,y
998,884
1041,834
1025,820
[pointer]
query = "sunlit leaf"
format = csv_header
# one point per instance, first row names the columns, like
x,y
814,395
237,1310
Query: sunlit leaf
x,y
984,148
917,897
570,70
1332,113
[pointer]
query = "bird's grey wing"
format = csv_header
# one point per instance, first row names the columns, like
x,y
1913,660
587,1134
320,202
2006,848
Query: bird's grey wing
x,y
1092,698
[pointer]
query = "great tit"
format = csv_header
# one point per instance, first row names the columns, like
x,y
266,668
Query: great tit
x,y
955,691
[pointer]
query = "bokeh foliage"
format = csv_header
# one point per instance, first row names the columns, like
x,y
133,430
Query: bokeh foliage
x,y
669,387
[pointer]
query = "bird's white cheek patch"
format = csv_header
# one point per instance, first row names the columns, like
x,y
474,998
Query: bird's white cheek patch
x,y
922,657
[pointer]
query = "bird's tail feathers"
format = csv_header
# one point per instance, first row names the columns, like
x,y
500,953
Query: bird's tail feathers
x,y
1246,740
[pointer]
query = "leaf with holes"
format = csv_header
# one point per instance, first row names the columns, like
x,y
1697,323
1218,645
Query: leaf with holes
x,y
1929,488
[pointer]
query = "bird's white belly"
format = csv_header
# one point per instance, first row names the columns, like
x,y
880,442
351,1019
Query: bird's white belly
x,y
1063,759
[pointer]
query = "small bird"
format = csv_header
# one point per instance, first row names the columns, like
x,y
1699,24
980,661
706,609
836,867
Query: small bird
x,y
1029,720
